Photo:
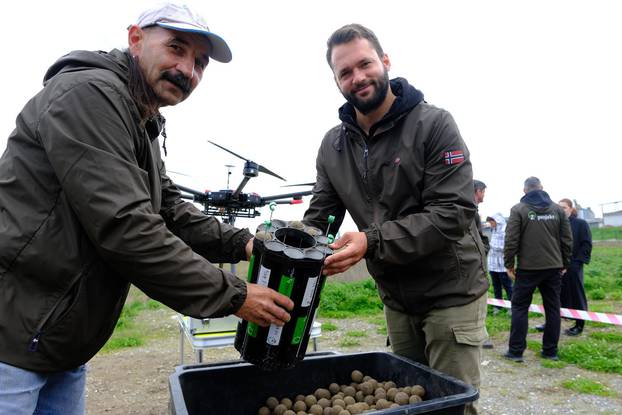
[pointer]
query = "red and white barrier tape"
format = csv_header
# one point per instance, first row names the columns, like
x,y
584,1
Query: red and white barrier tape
x,y
567,312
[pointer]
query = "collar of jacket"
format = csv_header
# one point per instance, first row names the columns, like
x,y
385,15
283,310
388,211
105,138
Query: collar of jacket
x,y
537,198
406,98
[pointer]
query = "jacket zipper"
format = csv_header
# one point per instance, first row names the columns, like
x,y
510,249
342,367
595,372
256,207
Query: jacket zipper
x,y
34,342
365,154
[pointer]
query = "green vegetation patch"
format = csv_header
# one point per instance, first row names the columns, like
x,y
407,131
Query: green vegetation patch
x,y
593,354
356,333
587,386
610,232
328,326
350,299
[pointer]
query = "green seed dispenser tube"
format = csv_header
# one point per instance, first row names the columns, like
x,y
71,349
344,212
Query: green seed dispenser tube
x,y
291,263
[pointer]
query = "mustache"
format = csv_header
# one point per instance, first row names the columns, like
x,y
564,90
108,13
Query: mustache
x,y
179,79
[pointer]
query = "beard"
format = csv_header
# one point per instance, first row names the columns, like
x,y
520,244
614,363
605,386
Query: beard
x,y
365,106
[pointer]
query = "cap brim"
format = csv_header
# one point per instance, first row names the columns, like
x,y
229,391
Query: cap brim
x,y
219,50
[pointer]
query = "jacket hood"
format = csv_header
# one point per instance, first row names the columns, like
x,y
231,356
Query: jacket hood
x,y
537,199
406,98
80,60
500,220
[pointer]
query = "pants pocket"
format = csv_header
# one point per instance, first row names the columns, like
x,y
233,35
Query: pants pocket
x,y
474,335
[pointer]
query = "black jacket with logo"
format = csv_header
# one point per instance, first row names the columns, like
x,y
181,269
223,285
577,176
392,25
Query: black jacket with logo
x,y
538,234
409,187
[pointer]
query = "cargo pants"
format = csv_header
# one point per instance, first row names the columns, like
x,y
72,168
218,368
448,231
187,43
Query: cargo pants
x,y
448,340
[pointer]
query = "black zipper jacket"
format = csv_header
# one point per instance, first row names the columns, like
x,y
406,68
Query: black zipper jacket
x,y
409,187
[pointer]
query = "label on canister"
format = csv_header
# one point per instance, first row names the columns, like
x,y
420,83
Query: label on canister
x,y
274,335
263,277
309,291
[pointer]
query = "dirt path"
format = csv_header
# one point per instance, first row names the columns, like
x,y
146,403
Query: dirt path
x,y
135,381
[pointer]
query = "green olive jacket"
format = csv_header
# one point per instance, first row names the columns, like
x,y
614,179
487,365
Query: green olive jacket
x,y
86,209
409,187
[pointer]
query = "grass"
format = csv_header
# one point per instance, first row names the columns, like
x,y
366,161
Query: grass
x,y
328,326
127,333
610,232
587,386
350,299
356,333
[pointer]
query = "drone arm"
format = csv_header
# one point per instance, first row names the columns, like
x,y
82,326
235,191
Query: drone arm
x,y
295,195
240,187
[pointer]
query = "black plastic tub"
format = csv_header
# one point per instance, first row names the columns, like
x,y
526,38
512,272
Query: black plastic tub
x,y
239,388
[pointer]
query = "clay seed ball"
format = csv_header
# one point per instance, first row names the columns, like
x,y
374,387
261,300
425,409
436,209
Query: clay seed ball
x,y
322,393
418,390
382,404
289,412
359,396
336,409
264,410
316,410
280,409
272,402
300,406
299,398
401,398
357,376
324,403
349,391
334,388
391,394
367,388
390,384
349,400
310,400
287,402
414,399
339,402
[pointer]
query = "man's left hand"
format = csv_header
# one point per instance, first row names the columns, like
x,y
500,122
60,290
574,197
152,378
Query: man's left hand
x,y
354,246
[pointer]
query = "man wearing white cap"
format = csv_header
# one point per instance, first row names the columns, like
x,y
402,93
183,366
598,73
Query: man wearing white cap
x,y
86,209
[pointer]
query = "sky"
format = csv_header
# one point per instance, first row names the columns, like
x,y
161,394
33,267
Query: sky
x,y
534,86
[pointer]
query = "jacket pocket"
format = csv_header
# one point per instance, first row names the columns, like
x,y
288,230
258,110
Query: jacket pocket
x,y
474,335
80,323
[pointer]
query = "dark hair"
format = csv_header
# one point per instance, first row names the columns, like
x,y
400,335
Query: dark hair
x,y
144,96
478,185
347,34
532,183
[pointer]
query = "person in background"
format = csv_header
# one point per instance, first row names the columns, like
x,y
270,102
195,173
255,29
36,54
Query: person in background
x,y
496,268
572,291
538,244
86,209
479,192
399,166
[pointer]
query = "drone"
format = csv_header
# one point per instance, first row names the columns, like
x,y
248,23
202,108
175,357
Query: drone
x,y
230,204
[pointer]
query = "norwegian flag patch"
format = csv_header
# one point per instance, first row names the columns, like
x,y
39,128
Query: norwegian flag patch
x,y
453,157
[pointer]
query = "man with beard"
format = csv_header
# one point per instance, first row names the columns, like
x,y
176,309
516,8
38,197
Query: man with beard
x,y
86,209
401,169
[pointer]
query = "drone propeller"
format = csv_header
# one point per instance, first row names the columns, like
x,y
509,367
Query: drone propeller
x,y
260,168
299,184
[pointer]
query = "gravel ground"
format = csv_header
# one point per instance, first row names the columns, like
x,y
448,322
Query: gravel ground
x,y
135,381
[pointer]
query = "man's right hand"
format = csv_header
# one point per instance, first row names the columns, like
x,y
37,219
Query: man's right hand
x,y
264,306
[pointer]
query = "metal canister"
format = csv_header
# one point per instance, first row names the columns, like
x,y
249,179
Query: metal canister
x,y
291,264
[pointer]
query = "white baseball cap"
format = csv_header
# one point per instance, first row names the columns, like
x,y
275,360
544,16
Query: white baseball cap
x,y
181,18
